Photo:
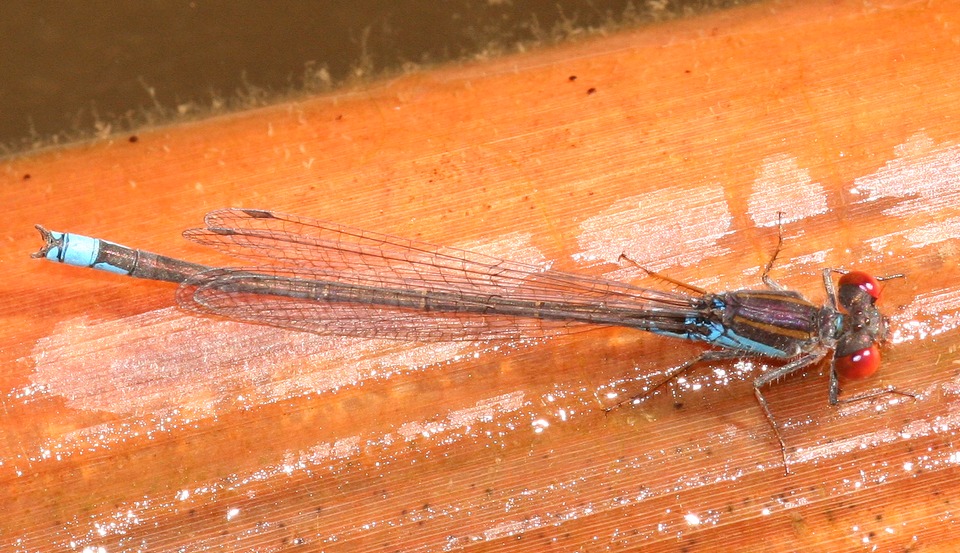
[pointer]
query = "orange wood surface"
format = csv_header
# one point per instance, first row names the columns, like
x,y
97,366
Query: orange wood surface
x,y
130,425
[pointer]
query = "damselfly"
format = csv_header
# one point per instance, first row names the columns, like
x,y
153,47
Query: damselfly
x,y
330,279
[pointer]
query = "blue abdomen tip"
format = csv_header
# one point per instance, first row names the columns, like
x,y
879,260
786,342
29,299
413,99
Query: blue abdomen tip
x,y
80,251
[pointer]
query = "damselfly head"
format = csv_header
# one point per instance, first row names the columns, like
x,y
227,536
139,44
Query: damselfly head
x,y
857,354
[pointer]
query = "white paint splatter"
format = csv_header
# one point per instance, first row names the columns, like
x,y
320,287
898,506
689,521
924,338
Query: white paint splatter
x,y
926,174
784,187
666,228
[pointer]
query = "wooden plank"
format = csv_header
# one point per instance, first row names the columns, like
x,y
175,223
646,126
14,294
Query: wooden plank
x,y
130,425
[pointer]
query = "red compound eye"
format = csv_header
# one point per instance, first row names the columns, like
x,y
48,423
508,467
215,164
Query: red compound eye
x,y
859,364
867,283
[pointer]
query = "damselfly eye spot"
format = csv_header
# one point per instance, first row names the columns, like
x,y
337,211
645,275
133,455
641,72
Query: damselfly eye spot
x,y
864,281
859,364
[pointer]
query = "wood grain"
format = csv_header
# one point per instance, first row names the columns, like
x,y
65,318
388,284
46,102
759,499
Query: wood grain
x,y
130,425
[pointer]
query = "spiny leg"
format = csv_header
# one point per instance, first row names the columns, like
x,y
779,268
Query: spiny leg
x,y
671,280
834,395
780,372
765,277
672,374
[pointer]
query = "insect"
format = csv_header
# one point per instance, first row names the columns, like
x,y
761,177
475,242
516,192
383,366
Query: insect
x,y
327,278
